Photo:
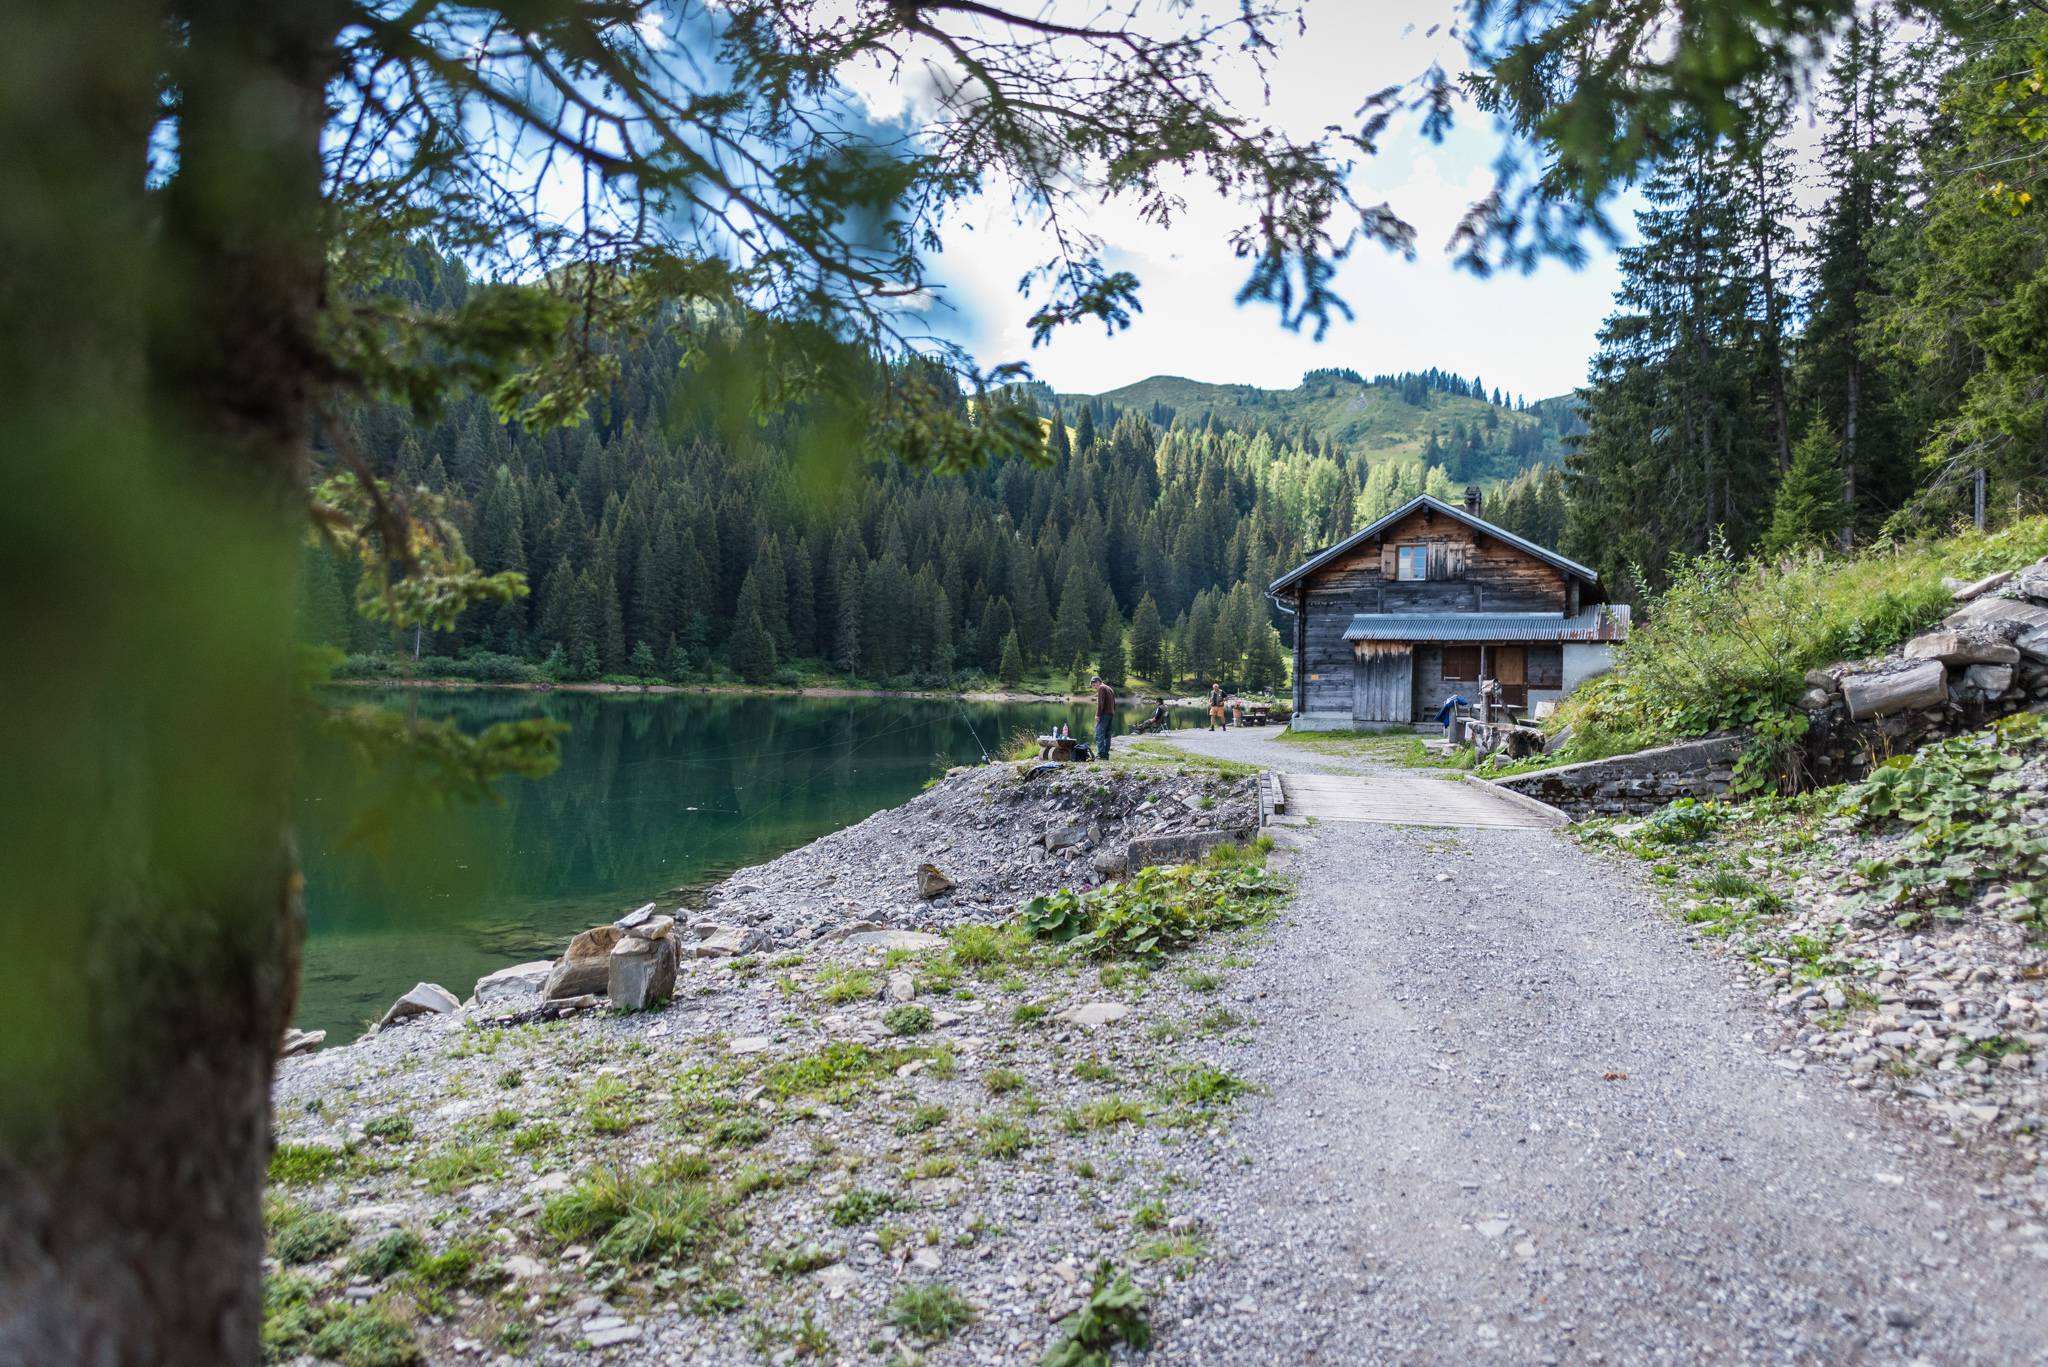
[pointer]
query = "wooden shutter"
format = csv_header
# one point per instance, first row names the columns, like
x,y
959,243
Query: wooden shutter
x,y
1387,560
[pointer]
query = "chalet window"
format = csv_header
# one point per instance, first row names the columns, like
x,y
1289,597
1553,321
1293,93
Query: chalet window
x,y
1412,562
1461,664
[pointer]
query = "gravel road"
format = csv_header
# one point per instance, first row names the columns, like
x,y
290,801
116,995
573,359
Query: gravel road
x,y
1513,1116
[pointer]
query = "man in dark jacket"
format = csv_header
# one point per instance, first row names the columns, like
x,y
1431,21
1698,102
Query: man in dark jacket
x,y
1105,712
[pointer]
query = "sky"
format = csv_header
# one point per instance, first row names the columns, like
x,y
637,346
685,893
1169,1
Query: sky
x,y
1530,335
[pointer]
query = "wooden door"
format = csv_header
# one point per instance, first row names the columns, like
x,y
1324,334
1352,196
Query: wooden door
x,y
1511,670
1384,683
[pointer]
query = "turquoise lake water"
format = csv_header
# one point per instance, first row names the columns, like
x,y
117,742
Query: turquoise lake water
x,y
656,796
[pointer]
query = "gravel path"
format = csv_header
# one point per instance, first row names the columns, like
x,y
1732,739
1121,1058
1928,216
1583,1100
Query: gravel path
x,y
1511,1116
1261,745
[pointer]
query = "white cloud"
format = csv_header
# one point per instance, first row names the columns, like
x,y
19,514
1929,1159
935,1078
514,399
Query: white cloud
x,y
1526,334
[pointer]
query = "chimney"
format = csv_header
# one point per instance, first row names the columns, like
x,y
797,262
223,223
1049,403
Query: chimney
x,y
1472,499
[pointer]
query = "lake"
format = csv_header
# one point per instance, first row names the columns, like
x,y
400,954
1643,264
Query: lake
x,y
656,795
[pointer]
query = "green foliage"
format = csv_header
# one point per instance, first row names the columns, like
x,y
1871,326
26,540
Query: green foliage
x,y
906,1019
930,1311
1114,1317
1809,509
301,1236
1154,912
1726,645
1684,822
390,1129
861,1205
1964,818
387,1255
293,1165
1202,1085
645,1215
295,1323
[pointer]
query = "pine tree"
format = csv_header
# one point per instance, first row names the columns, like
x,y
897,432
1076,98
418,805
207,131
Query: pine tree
x,y
752,648
1084,430
1110,656
1012,668
846,631
1810,509
1147,636
642,662
1070,631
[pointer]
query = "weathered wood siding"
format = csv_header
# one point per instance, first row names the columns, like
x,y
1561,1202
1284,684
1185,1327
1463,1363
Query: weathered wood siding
x,y
1483,574
1383,683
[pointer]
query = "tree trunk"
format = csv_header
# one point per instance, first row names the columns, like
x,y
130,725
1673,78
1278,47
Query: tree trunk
x,y
135,1132
1851,402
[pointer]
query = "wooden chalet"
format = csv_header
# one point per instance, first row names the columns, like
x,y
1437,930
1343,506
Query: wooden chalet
x,y
1426,603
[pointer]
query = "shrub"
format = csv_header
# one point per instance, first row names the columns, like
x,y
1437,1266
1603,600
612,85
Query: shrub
x,y
907,1020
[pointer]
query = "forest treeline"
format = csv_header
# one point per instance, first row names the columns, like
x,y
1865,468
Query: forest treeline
x,y
655,546
1779,376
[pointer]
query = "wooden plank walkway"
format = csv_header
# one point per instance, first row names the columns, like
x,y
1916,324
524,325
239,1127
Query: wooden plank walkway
x,y
1394,798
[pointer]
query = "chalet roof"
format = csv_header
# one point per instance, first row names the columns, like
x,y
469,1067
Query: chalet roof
x,y
1360,537
1598,623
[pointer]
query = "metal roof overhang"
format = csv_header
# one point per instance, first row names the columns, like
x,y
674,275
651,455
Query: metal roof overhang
x,y
1605,623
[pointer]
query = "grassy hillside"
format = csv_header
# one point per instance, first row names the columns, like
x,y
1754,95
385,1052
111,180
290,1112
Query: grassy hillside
x,y
1725,647
1373,419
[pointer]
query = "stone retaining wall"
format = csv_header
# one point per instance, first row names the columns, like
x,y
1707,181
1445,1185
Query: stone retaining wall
x,y
1637,783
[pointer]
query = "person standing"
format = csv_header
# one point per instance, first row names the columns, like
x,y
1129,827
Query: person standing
x,y
1215,705
1105,712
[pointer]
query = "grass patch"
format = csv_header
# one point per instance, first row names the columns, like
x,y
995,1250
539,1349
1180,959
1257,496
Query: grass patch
x,y
741,1131
844,985
1003,1136
298,1165
922,1119
388,1255
1106,1114
930,1311
646,1215
861,1205
304,1236
1002,1081
1202,1085
459,1166
296,1324
389,1129
607,1106
1201,980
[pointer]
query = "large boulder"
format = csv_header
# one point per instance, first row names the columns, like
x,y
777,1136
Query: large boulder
x,y
729,942
641,973
1877,695
1990,681
2032,582
425,999
514,983
931,882
582,968
1960,648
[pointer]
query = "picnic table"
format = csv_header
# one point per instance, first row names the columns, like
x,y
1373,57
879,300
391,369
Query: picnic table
x,y
1059,748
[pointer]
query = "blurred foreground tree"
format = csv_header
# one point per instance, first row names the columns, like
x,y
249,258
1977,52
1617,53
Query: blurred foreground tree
x,y
207,194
